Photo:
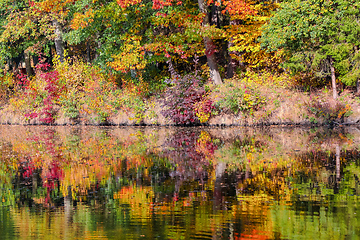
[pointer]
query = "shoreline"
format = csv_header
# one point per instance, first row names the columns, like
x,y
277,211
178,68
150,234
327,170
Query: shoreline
x,y
224,120
282,108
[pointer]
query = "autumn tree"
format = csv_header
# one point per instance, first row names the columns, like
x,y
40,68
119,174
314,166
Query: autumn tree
x,y
17,33
29,27
243,33
56,10
133,36
210,47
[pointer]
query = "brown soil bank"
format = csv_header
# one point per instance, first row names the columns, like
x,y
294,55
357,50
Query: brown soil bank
x,y
289,108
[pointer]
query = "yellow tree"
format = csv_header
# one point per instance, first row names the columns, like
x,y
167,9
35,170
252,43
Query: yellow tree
x,y
57,10
244,30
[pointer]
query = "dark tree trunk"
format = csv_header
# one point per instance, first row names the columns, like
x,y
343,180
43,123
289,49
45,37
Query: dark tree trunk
x,y
10,65
29,70
17,60
49,59
231,63
88,58
35,59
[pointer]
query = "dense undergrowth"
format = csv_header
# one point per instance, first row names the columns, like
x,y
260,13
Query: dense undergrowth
x,y
83,92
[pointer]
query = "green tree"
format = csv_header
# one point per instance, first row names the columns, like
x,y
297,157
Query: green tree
x,y
319,37
28,27
16,33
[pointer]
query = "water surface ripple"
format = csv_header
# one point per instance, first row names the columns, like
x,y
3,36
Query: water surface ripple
x,y
179,183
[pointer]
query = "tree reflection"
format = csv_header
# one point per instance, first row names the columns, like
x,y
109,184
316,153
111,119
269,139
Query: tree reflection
x,y
188,184
190,153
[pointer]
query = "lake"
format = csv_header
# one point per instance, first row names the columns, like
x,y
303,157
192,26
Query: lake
x,y
179,183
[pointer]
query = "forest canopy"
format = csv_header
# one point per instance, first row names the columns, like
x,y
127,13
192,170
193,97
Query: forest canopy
x,y
183,47
135,35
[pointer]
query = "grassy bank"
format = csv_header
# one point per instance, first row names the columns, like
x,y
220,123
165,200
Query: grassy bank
x,y
74,92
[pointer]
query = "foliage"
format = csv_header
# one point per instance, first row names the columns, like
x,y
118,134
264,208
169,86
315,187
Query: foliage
x,y
6,86
244,31
331,111
87,90
90,91
204,108
26,29
181,99
266,79
99,95
65,87
190,153
235,97
132,100
126,43
39,95
52,90
313,34
134,35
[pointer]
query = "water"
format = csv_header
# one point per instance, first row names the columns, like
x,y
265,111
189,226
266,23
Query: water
x,y
179,183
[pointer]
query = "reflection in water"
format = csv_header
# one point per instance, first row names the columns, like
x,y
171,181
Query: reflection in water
x,y
179,183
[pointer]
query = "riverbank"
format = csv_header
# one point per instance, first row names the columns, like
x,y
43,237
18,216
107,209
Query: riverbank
x,y
291,108
80,94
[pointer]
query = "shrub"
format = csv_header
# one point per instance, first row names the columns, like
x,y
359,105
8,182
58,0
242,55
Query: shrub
x,y
37,96
72,85
266,78
182,101
132,100
70,102
329,109
234,97
99,95
86,90
6,86
204,108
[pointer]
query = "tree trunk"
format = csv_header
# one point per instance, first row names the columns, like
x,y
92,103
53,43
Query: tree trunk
x,y
68,212
10,65
29,71
358,80
34,183
333,78
231,63
219,173
35,60
88,58
98,43
210,48
338,163
59,46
